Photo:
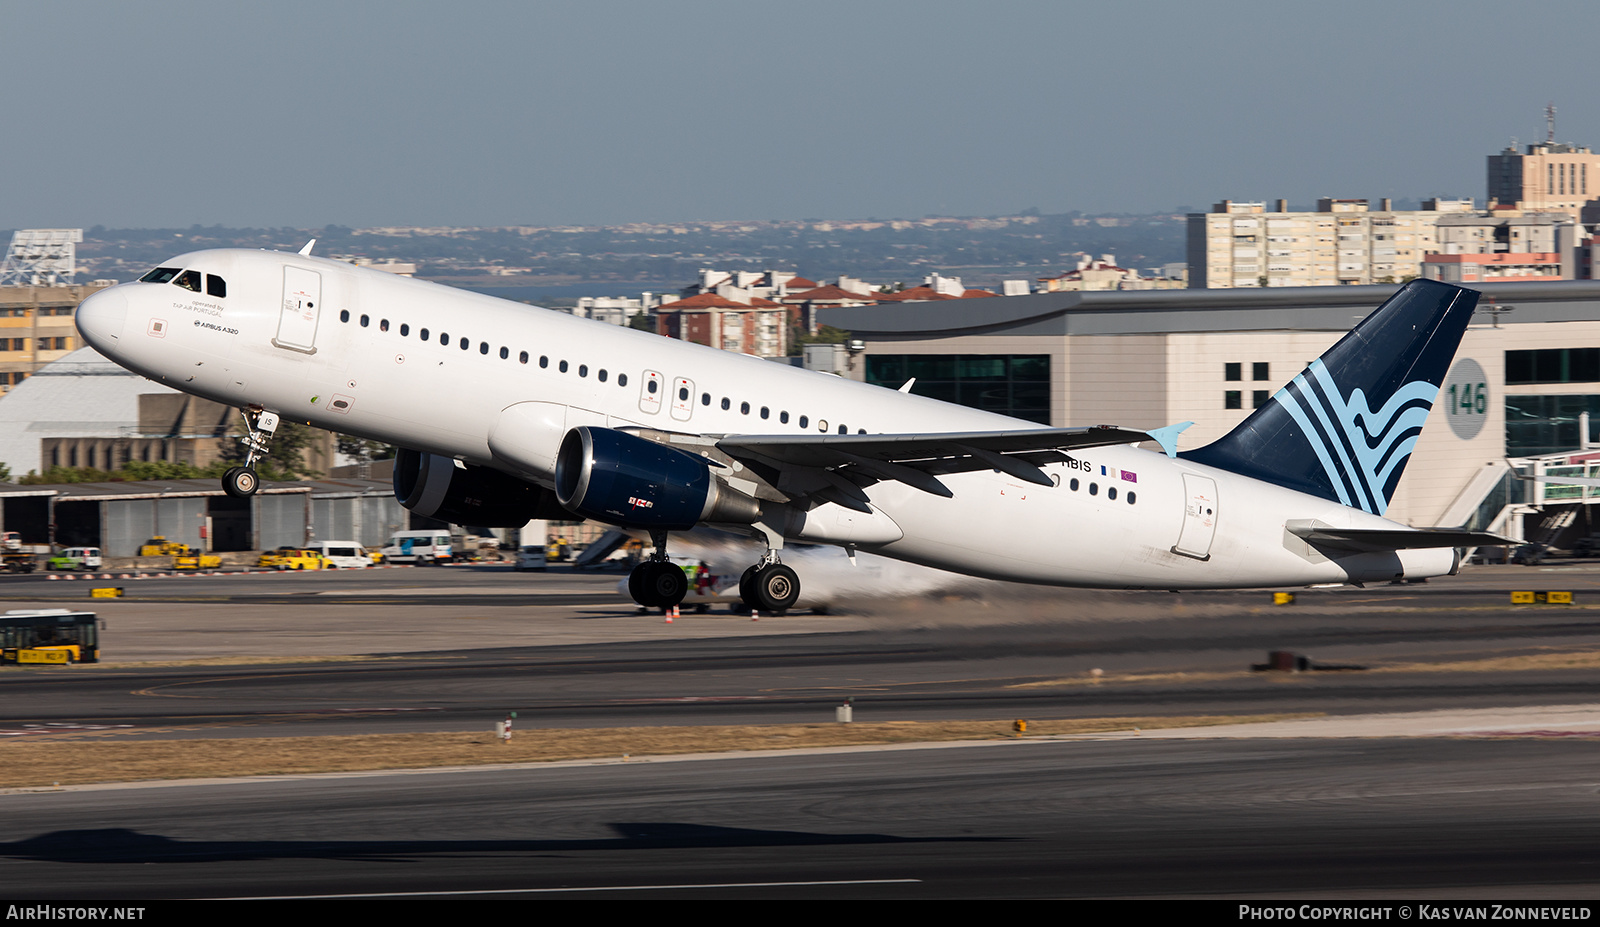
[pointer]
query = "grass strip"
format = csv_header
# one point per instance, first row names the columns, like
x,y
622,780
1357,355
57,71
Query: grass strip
x,y
28,763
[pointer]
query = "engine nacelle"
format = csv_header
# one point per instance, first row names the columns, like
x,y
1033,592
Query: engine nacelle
x,y
438,487
616,477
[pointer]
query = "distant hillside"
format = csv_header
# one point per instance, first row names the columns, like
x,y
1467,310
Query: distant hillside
x,y
982,251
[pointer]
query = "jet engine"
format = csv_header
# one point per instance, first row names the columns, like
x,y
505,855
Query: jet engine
x,y
463,494
623,479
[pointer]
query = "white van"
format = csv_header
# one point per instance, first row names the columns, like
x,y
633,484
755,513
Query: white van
x,y
346,555
418,547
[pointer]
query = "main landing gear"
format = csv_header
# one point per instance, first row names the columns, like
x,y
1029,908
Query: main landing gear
x,y
658,582
242,482
769,586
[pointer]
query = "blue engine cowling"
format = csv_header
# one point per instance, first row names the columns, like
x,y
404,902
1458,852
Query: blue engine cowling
x,y
463,494
622,479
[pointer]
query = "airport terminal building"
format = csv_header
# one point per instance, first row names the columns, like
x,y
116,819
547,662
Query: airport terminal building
x,y
1525,382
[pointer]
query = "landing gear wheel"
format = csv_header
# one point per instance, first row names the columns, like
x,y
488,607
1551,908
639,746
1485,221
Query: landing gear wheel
x,y
746,590
770,588
240,482
657,584
667,584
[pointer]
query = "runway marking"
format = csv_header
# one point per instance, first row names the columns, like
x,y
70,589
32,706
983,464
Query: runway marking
x,y
59,727
592,888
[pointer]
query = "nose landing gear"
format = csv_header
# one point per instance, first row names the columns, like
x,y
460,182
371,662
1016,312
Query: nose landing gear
x,y
242,482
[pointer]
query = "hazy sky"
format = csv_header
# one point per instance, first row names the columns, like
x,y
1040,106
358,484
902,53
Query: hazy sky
x,y
485,112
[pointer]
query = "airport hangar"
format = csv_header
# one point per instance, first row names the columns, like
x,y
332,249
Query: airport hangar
x,y
1524,383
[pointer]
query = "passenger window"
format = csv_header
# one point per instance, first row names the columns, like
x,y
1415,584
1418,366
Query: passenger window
x,y
783,417
1073,485
216,286
404,330
744,408
601,375
726,404
364,321
189,280
822,424
161,275
651,386
1111,492
1094,489
583,370
544,361
523,357
383,326
505,352
344,315
423,334
765,412
563,368
803,421
622,379
467,344
444,338
1132,497
483,347
705,399
844,430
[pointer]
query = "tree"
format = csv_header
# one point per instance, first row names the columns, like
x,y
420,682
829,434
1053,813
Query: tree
x,y
363,450
285,457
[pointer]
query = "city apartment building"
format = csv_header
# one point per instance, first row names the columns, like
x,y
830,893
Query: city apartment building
x,y
1344,241
36,327
1551,177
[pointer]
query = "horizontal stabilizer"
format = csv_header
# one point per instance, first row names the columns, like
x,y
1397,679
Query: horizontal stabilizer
x,y
1370,539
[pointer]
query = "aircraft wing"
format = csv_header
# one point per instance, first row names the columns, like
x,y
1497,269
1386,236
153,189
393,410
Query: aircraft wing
x,y
1371,539
837,467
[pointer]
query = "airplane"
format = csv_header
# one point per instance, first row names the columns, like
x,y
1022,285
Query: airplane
x,y
503,413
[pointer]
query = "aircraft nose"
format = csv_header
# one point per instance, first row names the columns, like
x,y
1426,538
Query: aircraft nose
x,y
100,319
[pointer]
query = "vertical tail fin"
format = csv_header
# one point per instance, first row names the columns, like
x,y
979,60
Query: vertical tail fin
x,y
1344,428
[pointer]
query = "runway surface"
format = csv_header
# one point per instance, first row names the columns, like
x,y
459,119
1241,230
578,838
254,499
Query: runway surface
x,y
1301,819
1381,806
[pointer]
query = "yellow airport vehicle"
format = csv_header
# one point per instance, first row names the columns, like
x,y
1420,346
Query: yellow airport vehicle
x,y
49,636
191,559
290,558
159,546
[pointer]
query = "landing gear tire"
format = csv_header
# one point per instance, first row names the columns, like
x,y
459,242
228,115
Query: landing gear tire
x,y
770,588
658,584
240,482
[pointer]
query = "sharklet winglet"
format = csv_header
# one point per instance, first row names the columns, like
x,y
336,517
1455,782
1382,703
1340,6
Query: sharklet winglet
x,y
1168,437
307,249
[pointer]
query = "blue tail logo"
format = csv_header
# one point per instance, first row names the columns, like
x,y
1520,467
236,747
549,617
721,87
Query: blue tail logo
x,y
1359,449
1321,435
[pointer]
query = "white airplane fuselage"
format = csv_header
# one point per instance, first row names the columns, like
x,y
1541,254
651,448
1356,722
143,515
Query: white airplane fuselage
x,y
355,361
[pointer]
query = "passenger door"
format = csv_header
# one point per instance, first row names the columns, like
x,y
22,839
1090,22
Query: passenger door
x,y
302,307
1199,517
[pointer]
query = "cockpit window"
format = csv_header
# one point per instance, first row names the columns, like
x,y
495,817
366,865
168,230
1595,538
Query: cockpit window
x,y
189,280
161,275
216,286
